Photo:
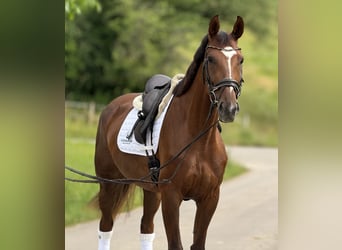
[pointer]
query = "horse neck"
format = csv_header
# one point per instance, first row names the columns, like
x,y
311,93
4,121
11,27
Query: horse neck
x,y
197,104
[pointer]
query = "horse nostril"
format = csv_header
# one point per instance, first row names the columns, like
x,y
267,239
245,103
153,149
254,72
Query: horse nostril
x,y
231,108
221,107
234,109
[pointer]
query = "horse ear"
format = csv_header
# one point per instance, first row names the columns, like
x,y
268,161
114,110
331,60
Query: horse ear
x,y
214,26
238,28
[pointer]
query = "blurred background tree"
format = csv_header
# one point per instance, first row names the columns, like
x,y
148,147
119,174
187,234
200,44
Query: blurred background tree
x,y
113,46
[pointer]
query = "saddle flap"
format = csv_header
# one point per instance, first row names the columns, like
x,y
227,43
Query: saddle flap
x,y
140,136
150,100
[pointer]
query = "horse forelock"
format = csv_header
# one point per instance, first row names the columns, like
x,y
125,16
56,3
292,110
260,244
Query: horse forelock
x,y
191,72
222,38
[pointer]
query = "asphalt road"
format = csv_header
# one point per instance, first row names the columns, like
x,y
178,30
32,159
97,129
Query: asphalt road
x,y
246,217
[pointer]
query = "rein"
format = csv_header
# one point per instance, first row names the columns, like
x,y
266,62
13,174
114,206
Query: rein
x,y
97,179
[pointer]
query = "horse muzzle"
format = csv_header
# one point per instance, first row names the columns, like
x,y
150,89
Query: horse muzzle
x,y
227,111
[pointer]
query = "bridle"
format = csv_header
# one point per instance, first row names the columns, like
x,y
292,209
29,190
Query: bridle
x,y
226,82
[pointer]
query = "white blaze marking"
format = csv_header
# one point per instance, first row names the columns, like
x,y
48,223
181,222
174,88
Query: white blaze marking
x,y
229,52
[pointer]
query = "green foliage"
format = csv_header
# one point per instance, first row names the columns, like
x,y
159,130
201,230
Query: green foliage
x,y
232,170
115,50
75,7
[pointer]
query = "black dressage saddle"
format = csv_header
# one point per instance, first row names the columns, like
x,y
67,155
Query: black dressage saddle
x,y
155,89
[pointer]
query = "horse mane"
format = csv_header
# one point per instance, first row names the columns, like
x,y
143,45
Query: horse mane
x,y
191,72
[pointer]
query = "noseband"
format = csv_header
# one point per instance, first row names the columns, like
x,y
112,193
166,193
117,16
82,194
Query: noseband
x,y
226,82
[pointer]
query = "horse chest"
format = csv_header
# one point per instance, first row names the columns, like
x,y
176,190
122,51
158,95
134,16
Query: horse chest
x,y
201,177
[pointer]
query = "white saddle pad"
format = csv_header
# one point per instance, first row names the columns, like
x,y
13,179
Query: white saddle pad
x,y
131,146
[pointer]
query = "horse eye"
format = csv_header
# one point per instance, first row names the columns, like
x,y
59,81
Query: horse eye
x,y
211,59
241,62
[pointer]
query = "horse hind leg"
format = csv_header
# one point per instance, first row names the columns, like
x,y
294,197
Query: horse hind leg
x,y
151,206
111,196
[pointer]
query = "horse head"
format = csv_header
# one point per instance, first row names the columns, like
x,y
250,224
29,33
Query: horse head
x,y
222,68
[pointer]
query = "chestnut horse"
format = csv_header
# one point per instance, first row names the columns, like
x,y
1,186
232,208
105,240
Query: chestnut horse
x,y
207,94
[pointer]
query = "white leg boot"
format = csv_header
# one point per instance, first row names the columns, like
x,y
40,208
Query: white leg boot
x,y
146,241
104,240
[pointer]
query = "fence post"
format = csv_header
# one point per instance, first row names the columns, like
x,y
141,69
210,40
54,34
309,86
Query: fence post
x,y
91,112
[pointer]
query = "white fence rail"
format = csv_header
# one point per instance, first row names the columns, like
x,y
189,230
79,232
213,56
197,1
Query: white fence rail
x,y
86,111
89,112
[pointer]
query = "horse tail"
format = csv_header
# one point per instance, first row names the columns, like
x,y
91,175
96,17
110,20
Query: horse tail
x,y
112,196
122,198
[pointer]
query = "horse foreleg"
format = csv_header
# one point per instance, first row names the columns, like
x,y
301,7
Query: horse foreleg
x,y
151,205
170,208
205,210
